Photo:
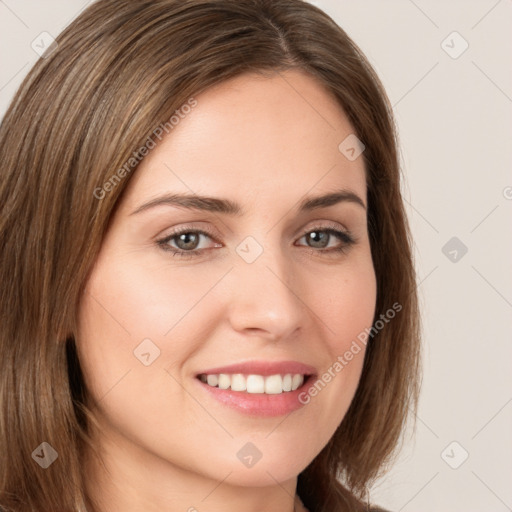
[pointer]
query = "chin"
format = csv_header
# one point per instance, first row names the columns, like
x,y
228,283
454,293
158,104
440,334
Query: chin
x,y
263,475
259,463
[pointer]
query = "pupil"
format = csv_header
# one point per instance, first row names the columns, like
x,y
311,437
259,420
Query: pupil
x,y
188,240
318,238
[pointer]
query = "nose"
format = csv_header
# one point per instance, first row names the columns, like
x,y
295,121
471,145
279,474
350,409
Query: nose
x,y
266,298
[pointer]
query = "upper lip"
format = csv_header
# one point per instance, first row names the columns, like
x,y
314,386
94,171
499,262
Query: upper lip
x,y
263,368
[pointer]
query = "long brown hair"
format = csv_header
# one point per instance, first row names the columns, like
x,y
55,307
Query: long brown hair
x,y
121,69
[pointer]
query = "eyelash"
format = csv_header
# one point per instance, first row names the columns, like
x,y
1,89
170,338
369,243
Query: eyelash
x,y
344,236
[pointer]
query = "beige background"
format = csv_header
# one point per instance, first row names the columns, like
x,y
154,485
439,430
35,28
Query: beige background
x,y
455,124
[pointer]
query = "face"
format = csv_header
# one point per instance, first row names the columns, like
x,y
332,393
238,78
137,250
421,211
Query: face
x,y
260,286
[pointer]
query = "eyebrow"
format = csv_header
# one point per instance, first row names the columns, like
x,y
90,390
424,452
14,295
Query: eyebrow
x,y
226,206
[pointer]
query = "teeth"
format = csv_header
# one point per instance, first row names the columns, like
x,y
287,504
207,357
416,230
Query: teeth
x,y
238,382
271,385
297,381
212,380
274,385
255,384
287,382
224,381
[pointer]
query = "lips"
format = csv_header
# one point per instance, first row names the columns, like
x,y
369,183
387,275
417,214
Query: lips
x,y
258,388
263,368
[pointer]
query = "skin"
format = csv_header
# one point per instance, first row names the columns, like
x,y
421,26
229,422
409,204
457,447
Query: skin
x,y
265,143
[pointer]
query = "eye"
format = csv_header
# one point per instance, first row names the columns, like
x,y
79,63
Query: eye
x,y
322,238
188,242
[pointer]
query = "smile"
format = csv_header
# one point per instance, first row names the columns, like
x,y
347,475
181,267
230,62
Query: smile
x,y
257,388
270,385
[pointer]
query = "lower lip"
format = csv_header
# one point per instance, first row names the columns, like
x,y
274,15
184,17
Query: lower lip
x,y
258,404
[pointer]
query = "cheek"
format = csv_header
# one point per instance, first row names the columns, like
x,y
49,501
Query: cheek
x,y
148,298
345,303
136,299
132,309
133,314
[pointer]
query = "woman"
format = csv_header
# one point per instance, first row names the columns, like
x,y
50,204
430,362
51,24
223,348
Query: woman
x,y
208,294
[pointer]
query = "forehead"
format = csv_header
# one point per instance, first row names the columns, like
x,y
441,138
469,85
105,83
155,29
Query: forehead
x,y
254,137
